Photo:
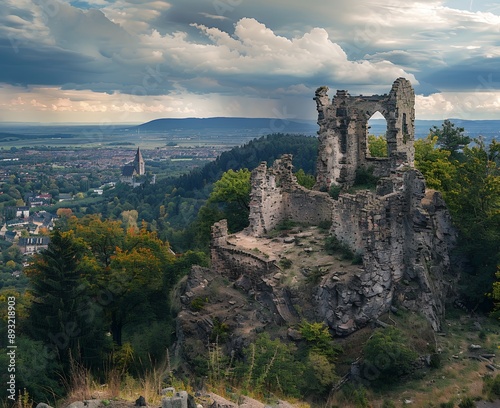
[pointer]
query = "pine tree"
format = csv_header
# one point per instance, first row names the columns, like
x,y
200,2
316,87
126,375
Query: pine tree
x,y
62,314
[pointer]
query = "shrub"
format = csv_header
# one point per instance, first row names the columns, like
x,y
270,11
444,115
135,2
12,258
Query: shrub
x,y
319,373
449,404
334,191
365,178
271,366
220,331
467,402
355,395
197,304
325,225
315,275
285,263
491,386
286,225
357,259
334,245
305,180
436,360
387,355
319,338
482,335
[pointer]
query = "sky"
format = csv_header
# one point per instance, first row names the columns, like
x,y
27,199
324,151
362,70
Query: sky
x,y
131,61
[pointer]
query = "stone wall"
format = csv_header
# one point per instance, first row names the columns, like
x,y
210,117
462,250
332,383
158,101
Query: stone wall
x,y
405,237
344,130
234,262
276,196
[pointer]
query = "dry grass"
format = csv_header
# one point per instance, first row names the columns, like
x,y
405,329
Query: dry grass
x,y
81,385
459,375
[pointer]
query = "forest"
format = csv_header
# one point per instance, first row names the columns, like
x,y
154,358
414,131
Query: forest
x,y
100,297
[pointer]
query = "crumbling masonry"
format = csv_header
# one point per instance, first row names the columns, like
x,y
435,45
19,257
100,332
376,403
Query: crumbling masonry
x,y
343,133
402,231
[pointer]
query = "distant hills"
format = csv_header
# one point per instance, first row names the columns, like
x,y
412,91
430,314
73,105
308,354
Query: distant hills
x,y
269,125
488,128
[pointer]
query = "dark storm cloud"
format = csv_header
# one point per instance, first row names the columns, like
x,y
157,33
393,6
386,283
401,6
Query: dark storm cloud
x,y
478,74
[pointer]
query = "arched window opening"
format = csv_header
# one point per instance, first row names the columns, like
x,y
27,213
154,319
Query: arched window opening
x,y
405,129
377,136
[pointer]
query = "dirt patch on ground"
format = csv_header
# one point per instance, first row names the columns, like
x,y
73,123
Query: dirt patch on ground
x,y
299,252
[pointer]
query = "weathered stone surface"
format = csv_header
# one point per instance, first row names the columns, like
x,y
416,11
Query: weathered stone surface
x,y
343,133
43,405
402,232
76,404
219,402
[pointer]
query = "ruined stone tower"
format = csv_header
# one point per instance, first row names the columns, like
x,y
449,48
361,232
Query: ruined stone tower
x,y
344,129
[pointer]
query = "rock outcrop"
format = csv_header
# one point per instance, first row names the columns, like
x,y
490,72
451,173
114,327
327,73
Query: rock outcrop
x,y
400,233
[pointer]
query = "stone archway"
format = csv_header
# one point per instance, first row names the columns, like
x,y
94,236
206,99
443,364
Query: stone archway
x,y
343,132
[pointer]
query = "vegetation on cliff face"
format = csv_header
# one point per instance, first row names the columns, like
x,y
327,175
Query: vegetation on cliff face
x,y
468,176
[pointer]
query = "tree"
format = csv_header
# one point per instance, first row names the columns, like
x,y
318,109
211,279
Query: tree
x,y
321,356
59,314
450,138
233,187
136,280
229,199
435,164
103,237
474,202
64,212
130,218
377,145
387,355
305,180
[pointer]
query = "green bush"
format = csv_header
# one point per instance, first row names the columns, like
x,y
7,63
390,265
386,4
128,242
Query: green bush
x,y
387,355
305,180
334,245
449,404
365,178
334,191
271,366
467,402
197,304
220,331
285,263
325,225
388,404
319,373
491,387
436,360
355,395
319,339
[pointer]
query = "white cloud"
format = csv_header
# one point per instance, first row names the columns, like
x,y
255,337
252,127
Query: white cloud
x,y
459,105
256,50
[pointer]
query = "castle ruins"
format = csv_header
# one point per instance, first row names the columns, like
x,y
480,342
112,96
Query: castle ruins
x,y
400,230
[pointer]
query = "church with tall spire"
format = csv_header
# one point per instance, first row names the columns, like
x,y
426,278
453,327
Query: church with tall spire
x,y
138,163
134,169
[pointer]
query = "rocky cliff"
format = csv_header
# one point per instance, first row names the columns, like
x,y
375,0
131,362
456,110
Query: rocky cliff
x,y
290,263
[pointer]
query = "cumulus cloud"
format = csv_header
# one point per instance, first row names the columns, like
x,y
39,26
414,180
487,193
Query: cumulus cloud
x,y
459,105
